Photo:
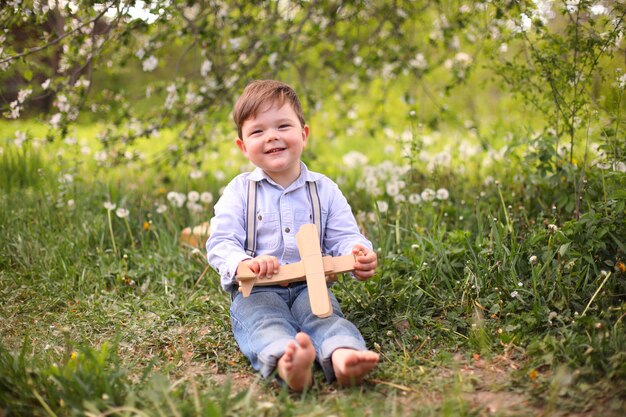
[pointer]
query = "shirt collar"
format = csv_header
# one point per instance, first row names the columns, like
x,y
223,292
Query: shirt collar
x,y
305,176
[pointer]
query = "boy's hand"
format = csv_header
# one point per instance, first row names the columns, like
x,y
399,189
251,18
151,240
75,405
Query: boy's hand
x,y
366,262
263,266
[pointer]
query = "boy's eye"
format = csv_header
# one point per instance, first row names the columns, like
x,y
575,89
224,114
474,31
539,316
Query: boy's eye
x,y
284,126
254,132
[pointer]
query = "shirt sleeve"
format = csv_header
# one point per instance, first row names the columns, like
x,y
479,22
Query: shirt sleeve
x,y
342,231
225,246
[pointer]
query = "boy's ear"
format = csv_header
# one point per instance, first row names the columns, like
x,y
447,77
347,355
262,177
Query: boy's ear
x,y
241,145
305,133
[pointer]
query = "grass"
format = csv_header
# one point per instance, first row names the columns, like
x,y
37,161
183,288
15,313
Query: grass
x,y
110,316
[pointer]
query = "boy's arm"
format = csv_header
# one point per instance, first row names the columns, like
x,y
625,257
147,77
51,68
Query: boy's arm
x,y
225,247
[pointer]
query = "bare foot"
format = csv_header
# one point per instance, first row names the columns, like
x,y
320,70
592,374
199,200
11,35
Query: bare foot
x,y
351,365
295,366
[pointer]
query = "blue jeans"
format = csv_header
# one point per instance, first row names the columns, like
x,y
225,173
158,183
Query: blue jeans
x,y
270,317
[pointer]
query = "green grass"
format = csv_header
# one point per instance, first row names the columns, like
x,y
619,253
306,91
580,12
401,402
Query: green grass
x,y
113,317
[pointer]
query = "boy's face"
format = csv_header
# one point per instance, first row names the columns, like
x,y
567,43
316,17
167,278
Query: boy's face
x,y
274,141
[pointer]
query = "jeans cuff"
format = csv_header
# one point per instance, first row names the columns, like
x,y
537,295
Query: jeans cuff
x,y
333,343
268,357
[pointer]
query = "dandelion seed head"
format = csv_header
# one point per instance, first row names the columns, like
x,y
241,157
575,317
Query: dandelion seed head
x,y
195,174
415,199
109,206
442,194
193,196
206,197
428,194
122,212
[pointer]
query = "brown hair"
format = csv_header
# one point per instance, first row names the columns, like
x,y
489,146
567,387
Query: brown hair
x,y
261,95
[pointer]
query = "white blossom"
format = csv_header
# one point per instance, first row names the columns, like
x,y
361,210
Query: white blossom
x,y
598,10
171,96
383,206
150,63
70,140
206,67
100,156
525,22
533,260
419,62
543,11
15,110
272,59
572,5
621,81
109,206
55,120
23,95
161,208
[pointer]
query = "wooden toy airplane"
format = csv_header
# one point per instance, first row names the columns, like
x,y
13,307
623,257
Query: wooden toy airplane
x,y
313,268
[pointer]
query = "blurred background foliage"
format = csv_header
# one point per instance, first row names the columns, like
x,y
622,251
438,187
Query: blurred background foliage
x,y
147,67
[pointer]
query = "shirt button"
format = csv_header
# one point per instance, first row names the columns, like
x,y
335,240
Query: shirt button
x,y
260,217
287,230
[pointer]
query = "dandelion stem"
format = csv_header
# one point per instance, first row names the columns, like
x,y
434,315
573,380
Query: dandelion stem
x,y
509,225
44,404
596,293
111,231
130,232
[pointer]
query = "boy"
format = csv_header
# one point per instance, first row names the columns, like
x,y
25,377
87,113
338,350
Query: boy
x,y
274,327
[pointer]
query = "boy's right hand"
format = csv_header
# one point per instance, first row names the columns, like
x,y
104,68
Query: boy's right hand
x,y
263,266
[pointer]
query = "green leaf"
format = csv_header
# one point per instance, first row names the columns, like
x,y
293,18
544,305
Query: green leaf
x,y
28,75
563,249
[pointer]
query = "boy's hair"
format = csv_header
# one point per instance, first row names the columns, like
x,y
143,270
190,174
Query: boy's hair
x,y
260,96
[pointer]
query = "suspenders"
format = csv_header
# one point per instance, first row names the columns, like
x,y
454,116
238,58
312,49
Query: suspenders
x,y
250,222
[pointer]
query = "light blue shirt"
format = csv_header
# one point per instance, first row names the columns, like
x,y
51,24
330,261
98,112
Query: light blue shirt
x,y
280,212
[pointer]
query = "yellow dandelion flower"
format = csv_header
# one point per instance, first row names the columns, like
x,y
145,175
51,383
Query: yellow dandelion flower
x,y
533,374
620,266
73,356
146,225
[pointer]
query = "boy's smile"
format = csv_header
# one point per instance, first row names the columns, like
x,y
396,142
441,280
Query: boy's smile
x,y
274,141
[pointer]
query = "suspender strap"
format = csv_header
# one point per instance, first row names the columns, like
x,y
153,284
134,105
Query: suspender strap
x,y
250,225
316,208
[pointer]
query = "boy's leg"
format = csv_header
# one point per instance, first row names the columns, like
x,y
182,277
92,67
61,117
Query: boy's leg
x,y
340,347
267,335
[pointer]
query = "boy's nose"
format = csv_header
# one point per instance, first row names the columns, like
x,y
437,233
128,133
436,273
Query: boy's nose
x,y
273,134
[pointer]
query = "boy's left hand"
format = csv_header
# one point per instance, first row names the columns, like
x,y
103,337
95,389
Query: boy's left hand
x,y
366,262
